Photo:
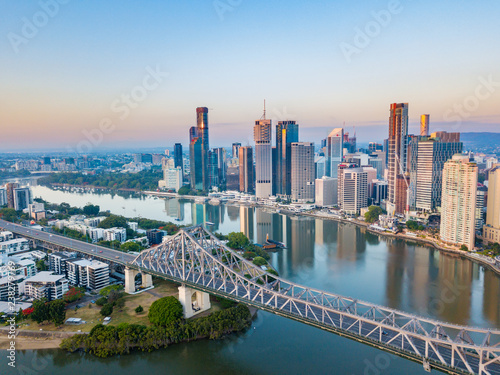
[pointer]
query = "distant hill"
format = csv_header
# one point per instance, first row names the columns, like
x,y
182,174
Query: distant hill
x,y
481,138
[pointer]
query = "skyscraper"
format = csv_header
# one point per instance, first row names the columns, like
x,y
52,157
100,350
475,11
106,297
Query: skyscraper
x,y
491,231
334,151
424,125
236,150
263,157
458,202
397,156
178,156
428,156
352,188
246,170
303,172
287,132
198,151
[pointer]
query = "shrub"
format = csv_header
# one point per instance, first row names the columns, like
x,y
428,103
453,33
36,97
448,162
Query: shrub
x,y
139,309
107,309
259,261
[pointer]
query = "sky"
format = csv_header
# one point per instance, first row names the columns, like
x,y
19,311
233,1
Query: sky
x,y
91,75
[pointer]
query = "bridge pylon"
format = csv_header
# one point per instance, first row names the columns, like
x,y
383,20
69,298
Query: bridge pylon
x,y
193,301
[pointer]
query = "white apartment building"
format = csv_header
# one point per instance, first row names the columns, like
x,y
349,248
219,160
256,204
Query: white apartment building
x,y
115,234
458,201
14,246
45,285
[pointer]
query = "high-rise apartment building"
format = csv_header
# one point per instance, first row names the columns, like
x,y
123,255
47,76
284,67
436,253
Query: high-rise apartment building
x,y
326,191
198,151
263,157
334,151
287,132
397,156
246,169
303,172
491,231
427,157
424,125
458,202
352,188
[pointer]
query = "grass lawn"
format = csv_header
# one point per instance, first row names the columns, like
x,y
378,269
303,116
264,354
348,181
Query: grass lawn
x,y
126,314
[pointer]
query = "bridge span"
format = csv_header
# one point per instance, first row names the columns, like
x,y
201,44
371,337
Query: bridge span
x,y
196,259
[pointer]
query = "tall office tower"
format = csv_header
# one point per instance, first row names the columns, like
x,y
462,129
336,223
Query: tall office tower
x,y
326,191
303,172
320,163
491,231
274,168
236,150
178,156
22,198
424,125
263,157
427,158
246,170
397,153
334,151
374,147
458,202
213,169
222,163
3,196
352,188
233,178
287,132
10,187
198,151
350,143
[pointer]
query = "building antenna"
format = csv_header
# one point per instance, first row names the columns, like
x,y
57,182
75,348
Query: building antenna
x,y
264,115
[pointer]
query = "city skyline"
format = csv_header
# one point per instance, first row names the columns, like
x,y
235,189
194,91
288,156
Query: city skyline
x,y
61,80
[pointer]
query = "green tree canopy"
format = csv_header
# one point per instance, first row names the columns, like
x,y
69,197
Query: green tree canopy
x,y
114,221
91,210
373,214
237,240
165,310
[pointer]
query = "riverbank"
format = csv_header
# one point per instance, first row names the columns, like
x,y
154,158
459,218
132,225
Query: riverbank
x,y
33,340
485,261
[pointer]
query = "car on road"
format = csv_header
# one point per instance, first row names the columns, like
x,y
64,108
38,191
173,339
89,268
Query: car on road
x,y
100,251
117,257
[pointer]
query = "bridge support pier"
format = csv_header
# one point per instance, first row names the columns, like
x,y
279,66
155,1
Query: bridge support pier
x,y
130,275
147,280
193,301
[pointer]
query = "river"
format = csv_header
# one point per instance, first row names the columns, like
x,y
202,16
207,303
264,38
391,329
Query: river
x,y
325,254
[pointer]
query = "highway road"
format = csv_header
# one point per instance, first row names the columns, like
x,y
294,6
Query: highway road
x,y
90,249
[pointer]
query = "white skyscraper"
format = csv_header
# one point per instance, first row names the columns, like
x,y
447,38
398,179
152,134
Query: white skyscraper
x,y
334,151
458,201
263,157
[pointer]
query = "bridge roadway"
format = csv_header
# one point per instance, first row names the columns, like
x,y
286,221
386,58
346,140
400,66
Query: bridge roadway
x,y
93,250
340,322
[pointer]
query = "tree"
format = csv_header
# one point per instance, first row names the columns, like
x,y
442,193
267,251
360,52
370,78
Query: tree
x,y
373,214
184,190
40,265
40,311
114,221
73,295
130,246
412,225
237,240
91,210
164,311
57,311
105,291
8,214
107,309
464,248
101,301
259,261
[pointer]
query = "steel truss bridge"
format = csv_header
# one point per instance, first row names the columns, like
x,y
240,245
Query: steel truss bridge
x,y
196,258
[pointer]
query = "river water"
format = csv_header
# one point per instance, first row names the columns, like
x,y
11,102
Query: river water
x,y
332,256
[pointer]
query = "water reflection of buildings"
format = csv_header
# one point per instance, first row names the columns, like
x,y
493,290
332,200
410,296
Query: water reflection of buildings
x,y
300,241
198,213
202,213
173,208
246,221
264,223
233,212
491,297
350,242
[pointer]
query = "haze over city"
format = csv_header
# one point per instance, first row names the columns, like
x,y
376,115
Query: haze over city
x,y
321,64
